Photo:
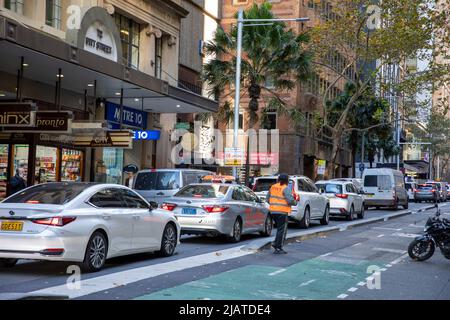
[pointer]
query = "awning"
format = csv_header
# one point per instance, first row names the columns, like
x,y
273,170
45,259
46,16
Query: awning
x,y
44,55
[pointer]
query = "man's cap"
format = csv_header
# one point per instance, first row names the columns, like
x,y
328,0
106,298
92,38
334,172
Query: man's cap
x,y
283,177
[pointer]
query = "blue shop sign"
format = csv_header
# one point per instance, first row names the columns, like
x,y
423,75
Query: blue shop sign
x,y
147,135
130,117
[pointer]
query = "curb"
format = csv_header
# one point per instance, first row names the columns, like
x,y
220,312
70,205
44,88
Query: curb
x,y
260,244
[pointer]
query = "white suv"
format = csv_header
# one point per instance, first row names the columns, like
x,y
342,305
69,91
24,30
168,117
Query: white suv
x,y
345,199
312,205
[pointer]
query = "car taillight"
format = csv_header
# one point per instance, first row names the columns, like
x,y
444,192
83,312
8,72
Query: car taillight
x,y
55,221
342,196
168,206
215,209
415,190
254,187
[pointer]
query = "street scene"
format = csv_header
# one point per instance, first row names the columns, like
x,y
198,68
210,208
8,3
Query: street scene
x,y
224,150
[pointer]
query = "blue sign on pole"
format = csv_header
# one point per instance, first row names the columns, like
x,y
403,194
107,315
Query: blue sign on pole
x,y
147,135
130,117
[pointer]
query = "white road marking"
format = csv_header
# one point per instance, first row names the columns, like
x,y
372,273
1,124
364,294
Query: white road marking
x,y
383,269
353,289
389,250
386,228
109,281
399,259
405,235
415,226
388,265
380,236
277,272
357,244
326,254
361,283
342,296
307,282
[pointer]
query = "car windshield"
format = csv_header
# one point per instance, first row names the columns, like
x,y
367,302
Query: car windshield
x,y
203,191
51,193
162,180
330,187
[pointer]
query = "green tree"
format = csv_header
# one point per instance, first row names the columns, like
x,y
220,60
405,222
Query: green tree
x,y
401,30
274,60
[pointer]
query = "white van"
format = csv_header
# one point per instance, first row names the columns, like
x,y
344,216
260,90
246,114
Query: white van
x,y
384,187
159,185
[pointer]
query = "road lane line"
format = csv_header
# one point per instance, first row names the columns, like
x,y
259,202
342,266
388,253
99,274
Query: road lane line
x,y
362,283
386,228
352,289
342,296
356,244
399,259
405,235
110,281
389,250
277,272
326,254
307,283
380,236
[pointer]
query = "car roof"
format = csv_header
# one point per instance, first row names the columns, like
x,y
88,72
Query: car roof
x,y
276,177
216,184
174,169
334,181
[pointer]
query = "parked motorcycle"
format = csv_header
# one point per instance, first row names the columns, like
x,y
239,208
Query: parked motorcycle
x,y
436,233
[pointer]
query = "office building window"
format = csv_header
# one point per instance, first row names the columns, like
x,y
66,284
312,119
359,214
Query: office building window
x,y
158,57
129,34
14,5
53,13
270,120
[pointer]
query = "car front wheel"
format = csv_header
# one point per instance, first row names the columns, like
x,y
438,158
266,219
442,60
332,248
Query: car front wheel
x,y
268,225
96,251
326,217
168,241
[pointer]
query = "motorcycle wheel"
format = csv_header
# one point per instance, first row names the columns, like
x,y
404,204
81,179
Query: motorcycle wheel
x,y
421,250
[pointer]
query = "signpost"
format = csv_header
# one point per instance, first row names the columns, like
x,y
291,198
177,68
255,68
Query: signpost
x,y
233,157
321,166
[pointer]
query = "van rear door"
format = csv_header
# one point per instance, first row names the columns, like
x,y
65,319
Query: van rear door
x,y
378,187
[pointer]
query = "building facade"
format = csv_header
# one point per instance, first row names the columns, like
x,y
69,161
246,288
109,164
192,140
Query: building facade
x,y
112,67
302,150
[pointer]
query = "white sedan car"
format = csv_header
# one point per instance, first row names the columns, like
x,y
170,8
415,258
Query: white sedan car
x,y
82,222
312,205
345,199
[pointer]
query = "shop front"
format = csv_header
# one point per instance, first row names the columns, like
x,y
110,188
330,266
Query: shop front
x,y
38,158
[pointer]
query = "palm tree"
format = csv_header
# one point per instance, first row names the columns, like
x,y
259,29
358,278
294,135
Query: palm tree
x,y
274,59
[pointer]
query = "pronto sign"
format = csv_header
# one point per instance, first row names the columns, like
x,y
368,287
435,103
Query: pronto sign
x,y
48,121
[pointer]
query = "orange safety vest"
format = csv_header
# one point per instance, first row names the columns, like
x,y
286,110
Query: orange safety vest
x,y
277,201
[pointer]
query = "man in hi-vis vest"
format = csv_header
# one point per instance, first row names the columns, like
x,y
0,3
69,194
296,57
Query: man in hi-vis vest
x,y
280,199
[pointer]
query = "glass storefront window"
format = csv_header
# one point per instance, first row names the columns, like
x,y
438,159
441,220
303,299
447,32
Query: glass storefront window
x,y
109,170
20,160
71,164
3,170
45,169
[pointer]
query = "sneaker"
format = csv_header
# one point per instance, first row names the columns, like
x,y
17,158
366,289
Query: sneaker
x,y
282,251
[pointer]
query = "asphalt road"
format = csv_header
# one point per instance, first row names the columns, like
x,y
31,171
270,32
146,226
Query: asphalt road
x,y
209,268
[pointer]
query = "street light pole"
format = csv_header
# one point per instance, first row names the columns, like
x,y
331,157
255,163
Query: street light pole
x,y
237,86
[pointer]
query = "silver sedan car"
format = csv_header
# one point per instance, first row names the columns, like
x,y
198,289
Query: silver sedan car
x,y
220,209
82,222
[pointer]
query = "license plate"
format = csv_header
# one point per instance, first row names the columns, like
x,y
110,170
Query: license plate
x,y
369,195
190,211
11,226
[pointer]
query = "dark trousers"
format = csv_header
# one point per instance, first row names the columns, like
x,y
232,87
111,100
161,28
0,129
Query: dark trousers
x,y
281,222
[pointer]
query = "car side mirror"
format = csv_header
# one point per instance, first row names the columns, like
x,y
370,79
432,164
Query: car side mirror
x,y
361,192
153,205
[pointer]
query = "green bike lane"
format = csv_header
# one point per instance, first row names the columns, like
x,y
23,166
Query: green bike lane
x,y
303,274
